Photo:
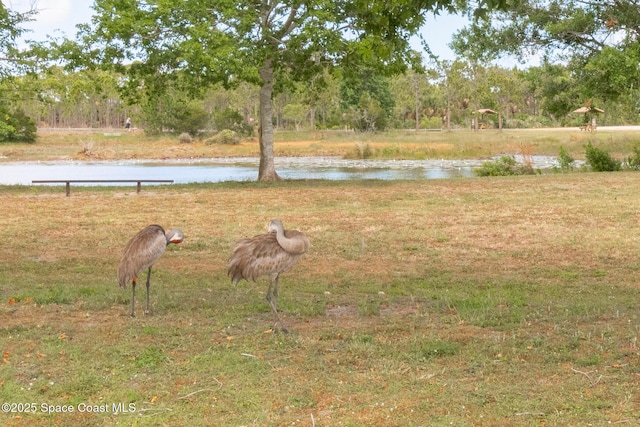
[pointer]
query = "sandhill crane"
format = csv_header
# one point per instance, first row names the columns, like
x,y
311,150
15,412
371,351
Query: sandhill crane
x,y
269,254
142,251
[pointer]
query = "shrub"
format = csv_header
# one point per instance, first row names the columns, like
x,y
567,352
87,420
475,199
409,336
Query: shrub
x,y
230,119
363,151
565,159
633,161
185,138
504,166
600,160
368,115
431,123
225,136
190,118
17,127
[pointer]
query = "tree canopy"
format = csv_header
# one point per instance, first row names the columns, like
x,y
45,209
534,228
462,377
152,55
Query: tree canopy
x,y
599,40
161,44
11,28
563,28
15,125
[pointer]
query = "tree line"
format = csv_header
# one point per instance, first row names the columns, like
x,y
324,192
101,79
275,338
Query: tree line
x,y
442,97
320,64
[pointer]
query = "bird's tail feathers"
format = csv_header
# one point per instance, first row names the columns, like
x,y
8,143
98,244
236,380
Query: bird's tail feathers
x,y
237,272
123,280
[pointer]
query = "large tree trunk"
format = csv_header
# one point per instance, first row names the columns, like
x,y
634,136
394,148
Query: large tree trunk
x,y
266,170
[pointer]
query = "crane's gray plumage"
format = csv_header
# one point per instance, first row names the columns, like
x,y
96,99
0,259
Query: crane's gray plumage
x,y
270,255
142,251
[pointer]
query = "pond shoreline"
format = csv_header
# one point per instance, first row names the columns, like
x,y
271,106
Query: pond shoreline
x,y
538,162
200,170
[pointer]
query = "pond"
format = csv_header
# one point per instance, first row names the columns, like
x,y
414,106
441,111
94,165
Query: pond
x,y
186,171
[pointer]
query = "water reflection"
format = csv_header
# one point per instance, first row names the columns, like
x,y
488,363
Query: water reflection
x,y
243,169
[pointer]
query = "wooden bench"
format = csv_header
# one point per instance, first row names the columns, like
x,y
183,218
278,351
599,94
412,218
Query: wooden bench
x,y
85,181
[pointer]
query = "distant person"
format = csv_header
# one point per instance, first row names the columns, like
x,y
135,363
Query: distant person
x,y
127,124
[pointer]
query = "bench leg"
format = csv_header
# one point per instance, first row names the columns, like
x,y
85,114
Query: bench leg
x,y
68,188
138,187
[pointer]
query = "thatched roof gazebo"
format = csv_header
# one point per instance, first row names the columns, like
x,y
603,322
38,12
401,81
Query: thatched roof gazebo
x,y
482,112
589,122
585,110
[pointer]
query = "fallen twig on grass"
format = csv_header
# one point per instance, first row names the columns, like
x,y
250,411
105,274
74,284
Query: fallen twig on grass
x,y
586,374
157,411
186,396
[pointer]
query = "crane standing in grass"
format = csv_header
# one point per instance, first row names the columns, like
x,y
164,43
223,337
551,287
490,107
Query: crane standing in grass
x,y
269,254
142,251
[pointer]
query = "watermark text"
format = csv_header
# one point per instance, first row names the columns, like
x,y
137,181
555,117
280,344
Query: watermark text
x,y
32,407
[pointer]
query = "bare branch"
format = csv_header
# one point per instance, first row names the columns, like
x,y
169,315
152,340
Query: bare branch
x,y
186,396
586,374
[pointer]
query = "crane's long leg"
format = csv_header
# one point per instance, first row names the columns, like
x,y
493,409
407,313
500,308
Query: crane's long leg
x,y
133,297
273,302
148,284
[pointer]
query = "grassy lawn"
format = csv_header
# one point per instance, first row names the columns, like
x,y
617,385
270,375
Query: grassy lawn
x,y
478,302
509,301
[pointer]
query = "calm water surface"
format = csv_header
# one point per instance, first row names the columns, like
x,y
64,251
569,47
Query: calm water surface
x,y
243,169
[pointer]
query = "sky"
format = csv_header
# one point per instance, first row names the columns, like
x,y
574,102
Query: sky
x,y
59,18
53,16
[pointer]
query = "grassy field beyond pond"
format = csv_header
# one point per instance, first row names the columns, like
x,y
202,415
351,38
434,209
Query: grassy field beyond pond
x,y
478,302
462,144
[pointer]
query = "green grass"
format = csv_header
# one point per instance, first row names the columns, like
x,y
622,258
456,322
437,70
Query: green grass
x,y
499,301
